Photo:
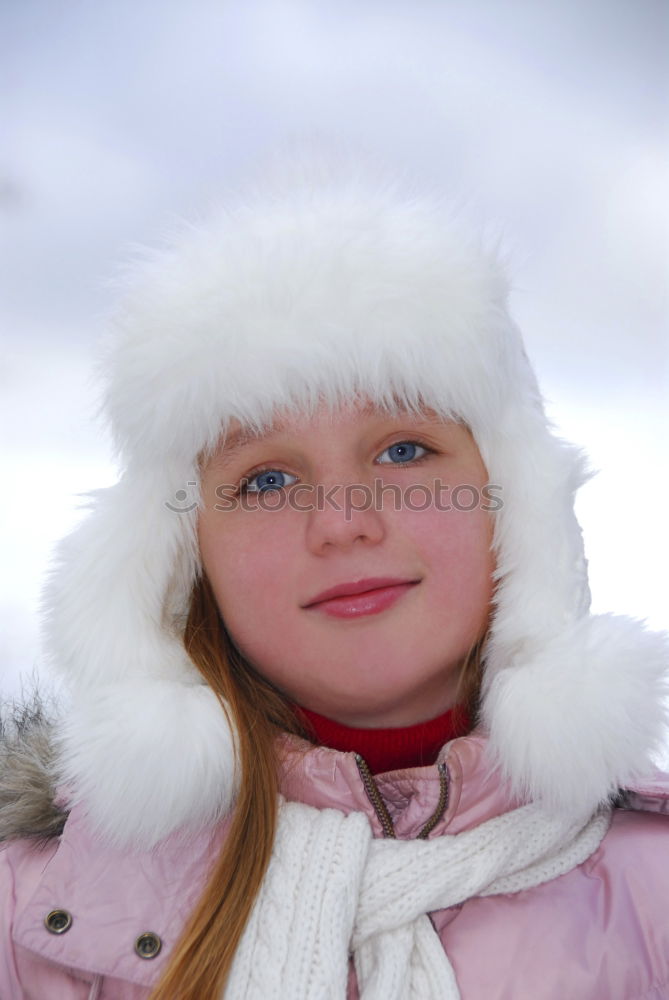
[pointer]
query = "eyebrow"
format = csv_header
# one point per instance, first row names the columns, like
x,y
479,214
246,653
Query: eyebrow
x,y
237,442
240,439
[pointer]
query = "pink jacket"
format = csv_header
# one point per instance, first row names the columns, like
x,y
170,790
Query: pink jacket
x,y
600,932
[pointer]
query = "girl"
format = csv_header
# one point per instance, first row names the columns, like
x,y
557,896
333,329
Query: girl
x,y
341,724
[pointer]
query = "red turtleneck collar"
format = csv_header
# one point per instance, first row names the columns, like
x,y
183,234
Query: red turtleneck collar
x,y
390,749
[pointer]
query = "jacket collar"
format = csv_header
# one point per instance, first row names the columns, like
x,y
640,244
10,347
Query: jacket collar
x,y
475,792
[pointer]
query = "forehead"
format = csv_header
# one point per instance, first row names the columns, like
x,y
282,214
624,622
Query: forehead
x,y
238,435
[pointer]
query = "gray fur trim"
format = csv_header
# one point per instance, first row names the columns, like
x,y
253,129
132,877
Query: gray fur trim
x,y
27,778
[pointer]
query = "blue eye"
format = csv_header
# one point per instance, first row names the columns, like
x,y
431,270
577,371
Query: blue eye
x,y
403,451
268,479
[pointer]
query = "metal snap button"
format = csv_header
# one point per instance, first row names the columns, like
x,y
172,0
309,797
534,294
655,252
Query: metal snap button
x,y
148,945
58,921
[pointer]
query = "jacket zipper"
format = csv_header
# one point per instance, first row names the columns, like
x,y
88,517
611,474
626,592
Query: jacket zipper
x,y
381,810
441,804
374,796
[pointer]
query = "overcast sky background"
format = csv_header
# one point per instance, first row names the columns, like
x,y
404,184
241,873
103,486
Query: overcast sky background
x,y
547,121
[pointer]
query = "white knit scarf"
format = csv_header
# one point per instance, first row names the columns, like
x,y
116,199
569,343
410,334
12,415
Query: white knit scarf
x,y
332,890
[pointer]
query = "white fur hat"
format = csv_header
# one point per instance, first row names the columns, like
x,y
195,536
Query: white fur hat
x,y
332,286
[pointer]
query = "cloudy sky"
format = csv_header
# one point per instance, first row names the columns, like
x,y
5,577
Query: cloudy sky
x,y
546,122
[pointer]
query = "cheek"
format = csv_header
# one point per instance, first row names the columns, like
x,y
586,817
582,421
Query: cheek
x,y
243,560
456,545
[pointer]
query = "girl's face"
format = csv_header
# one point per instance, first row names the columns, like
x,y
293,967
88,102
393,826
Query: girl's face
x,y
358,502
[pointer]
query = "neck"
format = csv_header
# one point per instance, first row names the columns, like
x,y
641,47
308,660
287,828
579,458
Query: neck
x,y
393,748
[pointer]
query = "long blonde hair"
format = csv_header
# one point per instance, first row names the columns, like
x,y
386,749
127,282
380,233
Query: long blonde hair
x,y
202,958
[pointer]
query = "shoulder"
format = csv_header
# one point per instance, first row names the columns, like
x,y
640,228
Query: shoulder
x,y
637,846
113,896
649,795
632,859
638,839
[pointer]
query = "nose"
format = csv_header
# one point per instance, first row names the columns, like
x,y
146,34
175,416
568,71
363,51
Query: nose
x,y
342,516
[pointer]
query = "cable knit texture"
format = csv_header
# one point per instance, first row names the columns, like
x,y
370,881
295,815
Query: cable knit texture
x,y
332,890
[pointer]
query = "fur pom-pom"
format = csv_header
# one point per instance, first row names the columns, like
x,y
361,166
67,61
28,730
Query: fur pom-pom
x,y
584,716
148,757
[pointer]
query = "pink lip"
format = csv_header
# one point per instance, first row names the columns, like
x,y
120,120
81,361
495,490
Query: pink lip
x,y
364,597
